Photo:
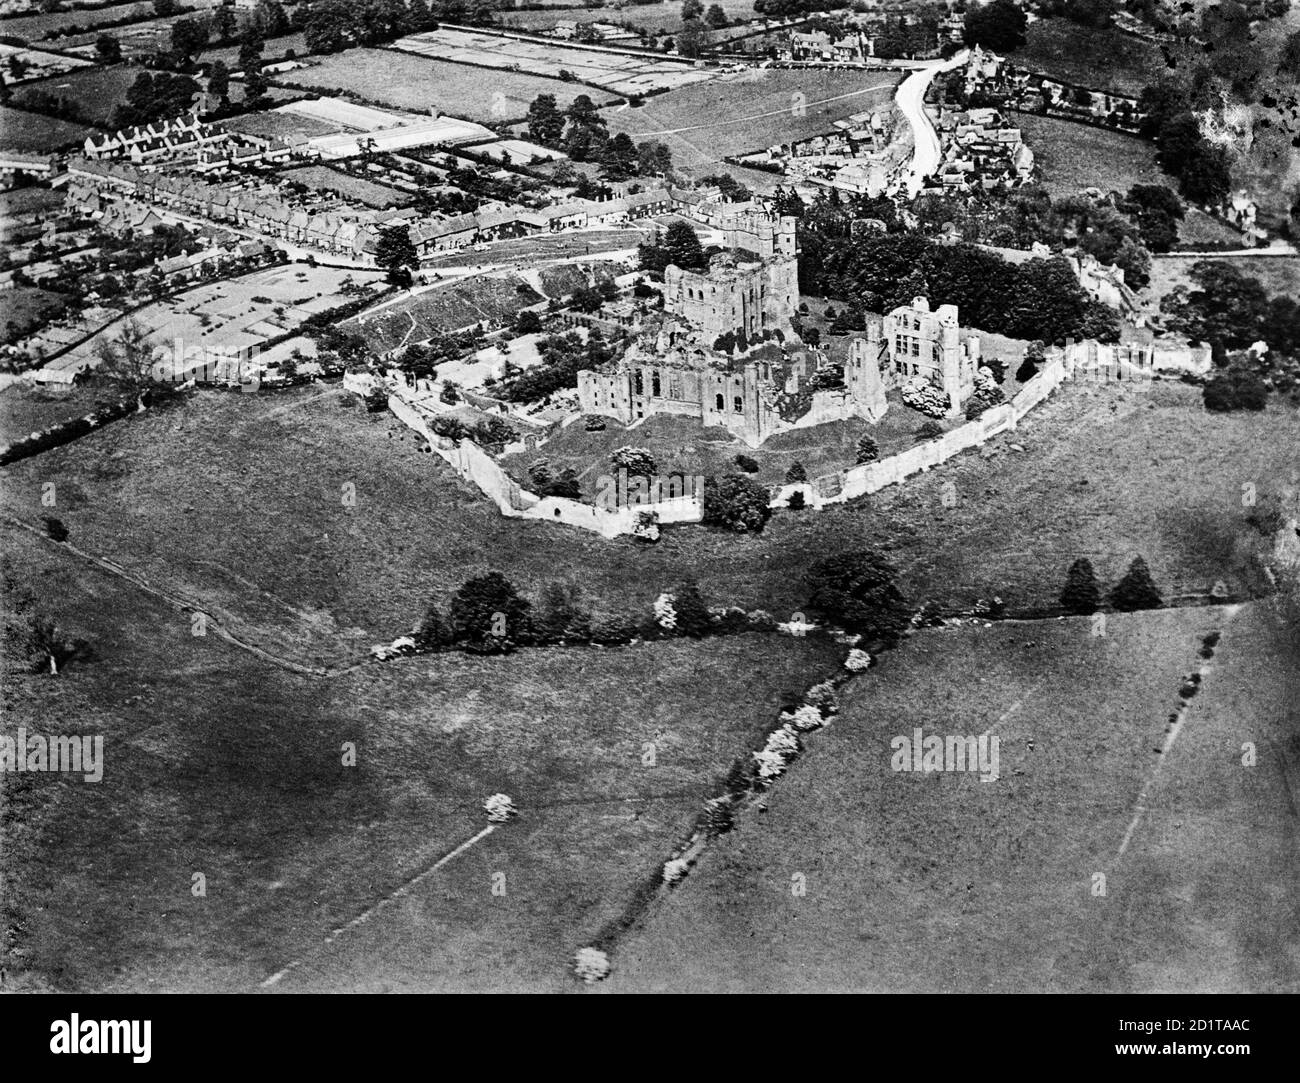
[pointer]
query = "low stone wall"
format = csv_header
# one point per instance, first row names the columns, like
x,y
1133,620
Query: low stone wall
x,y
474,464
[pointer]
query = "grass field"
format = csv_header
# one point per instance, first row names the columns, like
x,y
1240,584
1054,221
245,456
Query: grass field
x,y
26,409
619,73
1280,276
297,571
24,308
1103,59
751,111
217,763
420,83
942,883
658,18
97,91
34,133
1070,156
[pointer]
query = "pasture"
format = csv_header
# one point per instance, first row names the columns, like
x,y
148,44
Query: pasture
x,y
749,111
939,882
1070,157
220,763
419,83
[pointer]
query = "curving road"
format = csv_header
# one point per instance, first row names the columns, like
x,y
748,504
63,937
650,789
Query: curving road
x,y
910,99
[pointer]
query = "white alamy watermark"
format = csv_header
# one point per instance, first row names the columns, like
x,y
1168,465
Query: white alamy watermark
x,y
637,490
924,754
76,755
77,1035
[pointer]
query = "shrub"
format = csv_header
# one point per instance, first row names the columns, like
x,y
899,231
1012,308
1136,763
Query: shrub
x,y
857,591
747,464
1236,389
560,618
433,631
736,503
1081,595
615,629
796,501
924,397
928,430
796,474
1136,590
55,528
636,461
488,616
692,614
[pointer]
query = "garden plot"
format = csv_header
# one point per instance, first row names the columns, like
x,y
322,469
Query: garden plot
x,y
236,314
618,73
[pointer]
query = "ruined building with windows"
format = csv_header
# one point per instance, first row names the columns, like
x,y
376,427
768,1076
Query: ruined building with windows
x,y
725,351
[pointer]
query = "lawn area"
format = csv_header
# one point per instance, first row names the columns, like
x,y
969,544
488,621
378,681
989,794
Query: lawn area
x,y
750,111
1279,275
942,883
217,763
1070,157
35,133
1104,59
404,81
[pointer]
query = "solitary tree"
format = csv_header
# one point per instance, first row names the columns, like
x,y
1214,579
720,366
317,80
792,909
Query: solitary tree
x,y
796,474
1081,594
857,591
692,614
395,253
128,358
868,450
108,49
1135,590
488,616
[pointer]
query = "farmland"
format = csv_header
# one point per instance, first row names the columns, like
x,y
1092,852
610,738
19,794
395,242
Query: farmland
x,y
220,763
1070,156
235,314
419,83
617,73
33,133
664,18
96,91
750,111
941,883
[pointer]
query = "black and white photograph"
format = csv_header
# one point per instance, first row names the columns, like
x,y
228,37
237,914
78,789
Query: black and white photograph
x,y
608,497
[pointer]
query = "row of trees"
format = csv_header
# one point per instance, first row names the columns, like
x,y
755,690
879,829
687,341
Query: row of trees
x,y
855,590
